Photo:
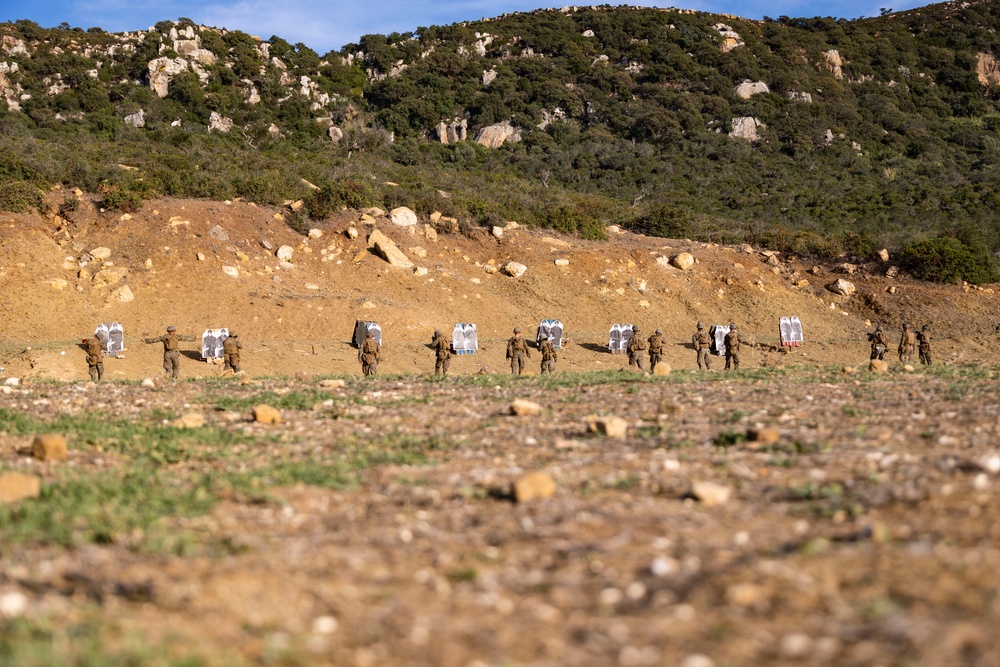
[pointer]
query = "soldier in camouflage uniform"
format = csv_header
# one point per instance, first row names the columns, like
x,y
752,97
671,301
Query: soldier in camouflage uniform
x,y
879,343
733,348
924,344
171,352
549,356
655,348
95,357
636,347
517,352
369,354
907,341
231,352
442,353
703,345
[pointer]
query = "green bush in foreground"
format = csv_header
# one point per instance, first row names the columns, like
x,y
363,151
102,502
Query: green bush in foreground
x,y
948,260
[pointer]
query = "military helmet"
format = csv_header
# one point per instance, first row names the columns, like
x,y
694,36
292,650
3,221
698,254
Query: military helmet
x,y
171,329
635,328
701,325
233,334
437,332
905,326
517,330
659,332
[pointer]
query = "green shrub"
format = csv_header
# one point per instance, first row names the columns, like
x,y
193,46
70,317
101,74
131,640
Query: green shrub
x,y
334,196
575,220
948,260
19,197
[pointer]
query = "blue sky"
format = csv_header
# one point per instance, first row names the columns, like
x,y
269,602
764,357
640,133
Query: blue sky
x,y
324,25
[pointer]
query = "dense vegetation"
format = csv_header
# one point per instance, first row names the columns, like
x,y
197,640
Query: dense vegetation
x,y
624,115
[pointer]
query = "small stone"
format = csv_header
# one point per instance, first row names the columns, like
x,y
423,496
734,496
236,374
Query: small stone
x,y
315,233
745,595
878,366
662,368
332,384
892,272
697,660
763,436
12,382
497,231
265,414
100,253
562,262
664,567
883,255
609,597
795,645
420,271
842,287
538,484
403,217
200,256
491,269
231,271
149,383
13,604
848,370
908,368
16,486
514,269
284,253
266,245
683,261
612,427
218,233
49,447
325,625
388,250
990,462
189,420
710,494
525,408
352,232
418,252
59,283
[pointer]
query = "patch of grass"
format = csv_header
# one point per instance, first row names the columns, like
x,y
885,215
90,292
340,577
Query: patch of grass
x,y
729,438
303,399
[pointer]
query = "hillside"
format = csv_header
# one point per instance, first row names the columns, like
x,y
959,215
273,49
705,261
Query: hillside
x,y
202,265
813,136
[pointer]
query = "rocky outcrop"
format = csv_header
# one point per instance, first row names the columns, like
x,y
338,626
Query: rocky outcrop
x,y
834,63
800,96
335,134
219,123
495,136
730,38
162,71
403,217
386,249
137,119
450,132
748,89
842,287
988,69
746,127
489,76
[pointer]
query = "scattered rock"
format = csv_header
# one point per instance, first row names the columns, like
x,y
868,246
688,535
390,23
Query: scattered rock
x,y
420,271
13,604
266,245
848,370
59,283
497,231
122,294
795,645
514,269
313,233
745,595
332,384
265,414
562,262
534,485
284,253
842,287
352,232
403,217
495,136
883,255
908,368
845,268
12,382
878,366
612,427
49,447
149,383
100,253
710,494
418,251
697,660
16,486
231,271
387,250
746,128
892,272
763,436
524,408
662,368
683,261
189,420
218,233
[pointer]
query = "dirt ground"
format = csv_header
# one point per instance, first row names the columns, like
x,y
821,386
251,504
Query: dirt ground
x,y
375,525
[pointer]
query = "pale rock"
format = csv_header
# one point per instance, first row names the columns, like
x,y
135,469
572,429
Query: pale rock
x,y
110,275
710,494
562,262
200,256
892,272
219,123
418,251
537,485
697,660
745,595
491,269
683,261
420,271
284,253
662,368
16,486
908,368
101,253
849,269
748,89
745,127
387,250
189,420
612,427
514,269
325,625
335,134
59,283
524,408
49,447
495,136
497,231
795,645
330,383
149,383
161,72
231,271
834,63
842,287
764,436
883,255
137,119
878,366
403,217
430,232
352,232
13,604
313,233
12,382
122,294
374,211
265,414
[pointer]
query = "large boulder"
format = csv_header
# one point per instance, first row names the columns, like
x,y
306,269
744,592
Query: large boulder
x,y
162,71
748,89
514,269
746,127
403,217
137,119
387,250
495,136
842,287
683,261
219,123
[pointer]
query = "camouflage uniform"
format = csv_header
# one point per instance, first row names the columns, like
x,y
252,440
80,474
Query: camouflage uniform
x,y
369,355
517,352
95,359
442,353
549,356
231,353
733,348
924,345
906,344
655,348
879,343
171,353
703,345
635,349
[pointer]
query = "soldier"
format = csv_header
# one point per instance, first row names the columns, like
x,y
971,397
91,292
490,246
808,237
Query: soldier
x,y
635,349
702,345
924,344
442,353
906,344
95,359
733,348
655,348
879,343
549,356
171,354
517,351
231,352
369,354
